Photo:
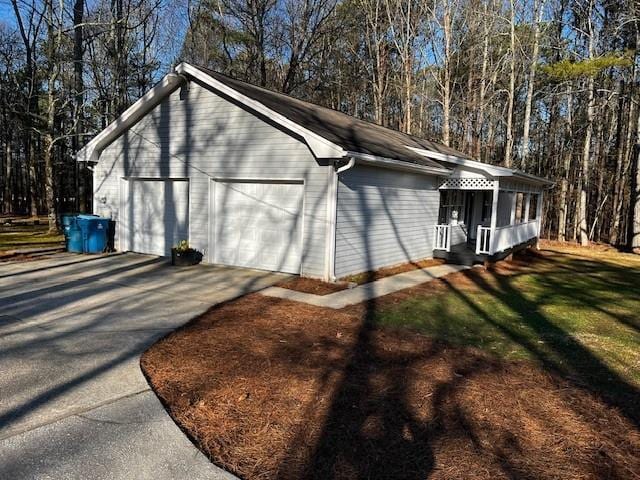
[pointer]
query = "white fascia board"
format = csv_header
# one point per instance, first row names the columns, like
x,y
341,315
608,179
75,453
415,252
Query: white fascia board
x,y
527,177
320,146
489,169
92,150
374,160
492,170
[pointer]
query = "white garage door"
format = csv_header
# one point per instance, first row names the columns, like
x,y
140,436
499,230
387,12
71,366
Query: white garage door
x,y
157,215
258,225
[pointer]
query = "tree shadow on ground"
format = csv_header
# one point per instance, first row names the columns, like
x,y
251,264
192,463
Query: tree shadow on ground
x,y
375,429
558,351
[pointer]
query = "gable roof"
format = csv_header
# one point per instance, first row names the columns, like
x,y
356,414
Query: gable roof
x,y
352,134
329,133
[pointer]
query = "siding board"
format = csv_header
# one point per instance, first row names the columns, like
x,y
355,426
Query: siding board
x,y
383,217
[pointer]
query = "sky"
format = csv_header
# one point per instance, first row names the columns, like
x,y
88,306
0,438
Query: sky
x,y
170,46
6,13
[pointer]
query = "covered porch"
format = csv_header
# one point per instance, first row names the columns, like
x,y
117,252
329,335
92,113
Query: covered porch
x,y
484,217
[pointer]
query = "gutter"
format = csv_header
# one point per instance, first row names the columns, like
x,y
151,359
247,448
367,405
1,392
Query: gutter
x,y
374,160
344,168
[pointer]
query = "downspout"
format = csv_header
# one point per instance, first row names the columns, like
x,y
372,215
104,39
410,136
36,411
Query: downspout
x,y
344,168
332,211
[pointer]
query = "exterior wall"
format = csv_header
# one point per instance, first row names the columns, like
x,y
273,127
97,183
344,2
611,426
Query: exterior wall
x,y
203,136
458,234
384,217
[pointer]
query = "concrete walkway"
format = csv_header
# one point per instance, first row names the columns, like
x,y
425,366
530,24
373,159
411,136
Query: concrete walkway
x,y
73,401
367,291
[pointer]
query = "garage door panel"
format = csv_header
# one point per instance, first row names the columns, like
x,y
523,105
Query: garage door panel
x,y
259,225
159,216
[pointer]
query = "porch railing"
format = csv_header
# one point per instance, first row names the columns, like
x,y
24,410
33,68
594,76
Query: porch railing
x,y
483,240
511,235
442,237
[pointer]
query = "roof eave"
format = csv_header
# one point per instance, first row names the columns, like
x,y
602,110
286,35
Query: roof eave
x,y
383,162
491,170
92,150
534,178
321,147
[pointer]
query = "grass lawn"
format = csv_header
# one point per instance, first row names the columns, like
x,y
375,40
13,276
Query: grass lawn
x,y
16,237
530,370
573,309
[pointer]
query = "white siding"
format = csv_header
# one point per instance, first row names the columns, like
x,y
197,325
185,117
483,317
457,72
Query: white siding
x,y
202,136
458,234
384,217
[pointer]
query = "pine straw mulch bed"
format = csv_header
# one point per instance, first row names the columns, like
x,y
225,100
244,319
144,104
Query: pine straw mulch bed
x,y
309,285
318,287
372,276
269,388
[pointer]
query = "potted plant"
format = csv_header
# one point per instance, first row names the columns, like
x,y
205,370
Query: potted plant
x,y
183,255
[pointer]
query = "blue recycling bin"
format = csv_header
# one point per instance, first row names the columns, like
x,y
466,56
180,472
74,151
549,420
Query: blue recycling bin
x,y
94,233
67,220
74,239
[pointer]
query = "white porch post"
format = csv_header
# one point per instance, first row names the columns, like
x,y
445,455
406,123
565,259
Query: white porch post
x,y
494,217
539,218
514,202
527,204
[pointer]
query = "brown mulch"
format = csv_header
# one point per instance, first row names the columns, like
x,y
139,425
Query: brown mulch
x,y
269,388
372,276
310,285
318,287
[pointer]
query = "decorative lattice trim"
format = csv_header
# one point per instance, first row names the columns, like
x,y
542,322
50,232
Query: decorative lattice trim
x,y
467,184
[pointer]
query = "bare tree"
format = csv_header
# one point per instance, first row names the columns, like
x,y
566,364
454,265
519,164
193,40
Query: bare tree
x,y
511,92
538,9
377,47
405,22
586,152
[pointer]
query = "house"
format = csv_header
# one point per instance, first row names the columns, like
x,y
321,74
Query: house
x,y
258,179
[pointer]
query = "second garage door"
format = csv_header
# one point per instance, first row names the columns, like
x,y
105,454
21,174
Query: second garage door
x,y
258,225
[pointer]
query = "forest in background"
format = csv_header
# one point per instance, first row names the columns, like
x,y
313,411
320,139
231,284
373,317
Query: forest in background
x,y
550,87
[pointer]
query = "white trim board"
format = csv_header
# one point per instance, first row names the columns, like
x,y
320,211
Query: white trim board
x,y
491,170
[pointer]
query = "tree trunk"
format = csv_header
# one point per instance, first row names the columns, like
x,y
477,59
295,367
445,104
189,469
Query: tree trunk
x,y
8,164
586,152
538,9
566,171
617,183
508,148
78,64
483,86
446,83
584,183
53,44
634,207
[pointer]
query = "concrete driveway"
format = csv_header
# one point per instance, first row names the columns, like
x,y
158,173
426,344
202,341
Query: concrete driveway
x,y
73,401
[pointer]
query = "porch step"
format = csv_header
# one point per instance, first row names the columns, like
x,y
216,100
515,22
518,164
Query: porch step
x,y
462,257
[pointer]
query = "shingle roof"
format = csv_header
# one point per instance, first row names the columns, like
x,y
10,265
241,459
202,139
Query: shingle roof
x,y
350,133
